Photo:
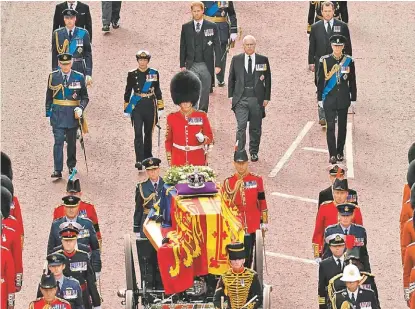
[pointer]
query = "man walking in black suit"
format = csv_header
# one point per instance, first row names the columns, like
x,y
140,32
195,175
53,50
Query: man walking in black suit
x,y
199,43
320,45
249,88
83,18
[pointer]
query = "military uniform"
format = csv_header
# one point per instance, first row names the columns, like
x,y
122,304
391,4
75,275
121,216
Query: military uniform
x,y
409,275
187,134
407,209
86,209
365,299
143,101
336,89
223,14
8,287
65,94
75,42
77,265
314,12
11,240
356,234
48,282
246,192
329,268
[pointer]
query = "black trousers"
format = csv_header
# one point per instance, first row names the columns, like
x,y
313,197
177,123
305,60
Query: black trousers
x,y
147,260
221,75
144,117
249,243
331,112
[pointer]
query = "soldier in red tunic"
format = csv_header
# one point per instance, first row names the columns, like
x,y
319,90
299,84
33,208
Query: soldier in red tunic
x,y
15,210
245,190
188,132
86,209
328,214
7,279
10,238
48,288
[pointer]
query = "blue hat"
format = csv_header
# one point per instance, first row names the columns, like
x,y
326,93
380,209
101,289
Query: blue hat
x,y
346,209
65,58
56,259
151,163
69,12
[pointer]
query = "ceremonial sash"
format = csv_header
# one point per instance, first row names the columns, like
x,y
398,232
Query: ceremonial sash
x,y
212,10
333,78
135,98
72,45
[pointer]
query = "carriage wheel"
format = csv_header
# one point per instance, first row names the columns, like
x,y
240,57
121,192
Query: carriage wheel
x,y
266,303
129,265
259,256
130,303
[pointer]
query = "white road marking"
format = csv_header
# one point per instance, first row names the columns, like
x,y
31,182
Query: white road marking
x,y
349,151
294,197
316,149
291,149
292,258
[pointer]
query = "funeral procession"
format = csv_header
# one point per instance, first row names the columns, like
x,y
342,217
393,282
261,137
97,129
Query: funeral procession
x,y
207,154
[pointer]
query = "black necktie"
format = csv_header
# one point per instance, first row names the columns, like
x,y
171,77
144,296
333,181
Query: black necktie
x,y
71,6
328,29
65,80
339,264
249,65
70,34
345,232
58,290
155,186
353,298
198,27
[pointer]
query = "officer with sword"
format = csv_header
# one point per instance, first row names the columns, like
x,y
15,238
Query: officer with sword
x,y
223,14
66,100
143,102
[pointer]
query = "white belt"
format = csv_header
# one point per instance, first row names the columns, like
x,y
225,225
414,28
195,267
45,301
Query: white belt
x,y
188,148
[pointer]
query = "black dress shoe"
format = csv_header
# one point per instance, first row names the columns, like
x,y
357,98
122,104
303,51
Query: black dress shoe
x,y
115,25
340,157
139,166
221,84
56,174
254,157
333,160
322,122
106,28
71,170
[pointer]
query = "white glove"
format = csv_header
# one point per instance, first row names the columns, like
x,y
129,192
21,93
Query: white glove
x,y
406,294
234,36
127,115
97,275
320,104
353,104
318,260
200,137
78,111
99,307
88,80
137,235
264,227
160,113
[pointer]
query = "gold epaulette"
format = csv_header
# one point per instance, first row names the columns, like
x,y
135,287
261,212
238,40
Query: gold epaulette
x,y
326,202
367,274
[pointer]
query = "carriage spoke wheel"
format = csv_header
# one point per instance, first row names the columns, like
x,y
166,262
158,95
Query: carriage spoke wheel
x,y
130,302
259,256
129,265
267,297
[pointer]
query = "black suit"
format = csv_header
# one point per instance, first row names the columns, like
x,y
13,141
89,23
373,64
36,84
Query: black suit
x,y
197,53
83,19
249,108
314,12
328,268
326,195
365,298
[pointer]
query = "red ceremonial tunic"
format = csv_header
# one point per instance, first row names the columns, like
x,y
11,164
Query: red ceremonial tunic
x,y
327,215
86,210
12,241
57,303
16,211
406,214
182,146
249,196
7,278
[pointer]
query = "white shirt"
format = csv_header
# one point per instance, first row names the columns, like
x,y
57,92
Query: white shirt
x,y
60,282
355,294
331,24
67,30
73,5
200,22
341,260
247,60
346,228
67,79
